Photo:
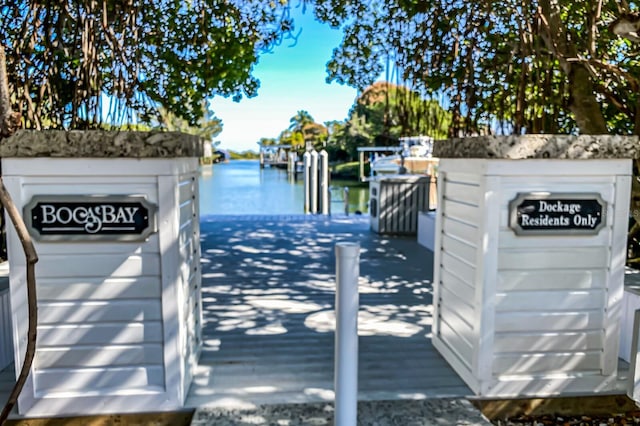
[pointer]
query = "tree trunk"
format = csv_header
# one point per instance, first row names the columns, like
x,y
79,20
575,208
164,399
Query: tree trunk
x,y
9,120
582,97
582,101
9,123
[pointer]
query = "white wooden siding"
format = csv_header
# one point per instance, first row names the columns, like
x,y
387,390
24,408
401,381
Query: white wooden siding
x,y
98,311
104,265
459,230
525,258
546,301
549,277
99,334
458,344
109,324
547,363
100,356
549,321
527,315
68,320
94,380
189,253
457,246
563,279
98,288
548,342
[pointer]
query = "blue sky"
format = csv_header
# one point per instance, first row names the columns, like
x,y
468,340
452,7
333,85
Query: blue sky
x,y
291,79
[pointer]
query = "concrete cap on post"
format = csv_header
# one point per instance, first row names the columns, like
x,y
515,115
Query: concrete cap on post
x,y
100,144
516,147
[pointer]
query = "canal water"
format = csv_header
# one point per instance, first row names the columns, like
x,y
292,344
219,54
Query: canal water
x,y
241,187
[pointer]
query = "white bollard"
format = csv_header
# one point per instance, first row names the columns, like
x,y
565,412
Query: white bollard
x,y
346,338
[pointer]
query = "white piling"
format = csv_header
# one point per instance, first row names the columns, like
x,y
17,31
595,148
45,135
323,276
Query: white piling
x,y
346,338
324,182
306,157
313,183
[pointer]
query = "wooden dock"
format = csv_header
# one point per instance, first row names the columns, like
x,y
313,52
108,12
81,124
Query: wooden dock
x,y
268,290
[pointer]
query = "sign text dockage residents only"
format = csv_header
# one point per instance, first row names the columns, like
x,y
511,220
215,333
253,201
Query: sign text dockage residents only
x,y
559,213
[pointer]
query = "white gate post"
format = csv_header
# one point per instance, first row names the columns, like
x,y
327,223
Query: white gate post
x,y
346,338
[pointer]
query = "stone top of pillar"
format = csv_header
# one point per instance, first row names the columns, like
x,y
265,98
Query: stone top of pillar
x,y
100,144
539,146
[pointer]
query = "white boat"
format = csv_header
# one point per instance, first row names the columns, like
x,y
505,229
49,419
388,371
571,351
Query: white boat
x,y
415,157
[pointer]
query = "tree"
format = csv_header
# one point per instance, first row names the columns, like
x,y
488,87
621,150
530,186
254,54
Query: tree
x,y
300,120
267,142
302,131
512,66
77,63
207,127
395,111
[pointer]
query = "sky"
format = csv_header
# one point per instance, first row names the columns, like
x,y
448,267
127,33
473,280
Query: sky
x,y
292,78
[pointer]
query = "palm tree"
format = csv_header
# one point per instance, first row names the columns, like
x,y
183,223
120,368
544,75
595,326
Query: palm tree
x,y
300,120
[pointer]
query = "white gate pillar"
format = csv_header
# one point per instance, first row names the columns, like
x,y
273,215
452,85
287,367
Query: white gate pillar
x,y
529,261
114,218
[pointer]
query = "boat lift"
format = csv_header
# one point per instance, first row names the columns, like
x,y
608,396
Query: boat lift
x,y
373,150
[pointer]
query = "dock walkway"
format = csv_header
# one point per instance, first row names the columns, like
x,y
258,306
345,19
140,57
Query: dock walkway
x,y
268,294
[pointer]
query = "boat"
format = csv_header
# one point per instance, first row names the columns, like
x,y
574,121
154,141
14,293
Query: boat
x,y
415,157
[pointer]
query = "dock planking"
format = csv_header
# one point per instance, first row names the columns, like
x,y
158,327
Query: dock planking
x,y
268,295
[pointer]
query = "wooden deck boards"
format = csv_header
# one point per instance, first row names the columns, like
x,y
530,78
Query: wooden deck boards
x,y
268,289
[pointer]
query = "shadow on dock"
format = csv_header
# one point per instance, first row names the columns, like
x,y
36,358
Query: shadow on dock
x,y
268,294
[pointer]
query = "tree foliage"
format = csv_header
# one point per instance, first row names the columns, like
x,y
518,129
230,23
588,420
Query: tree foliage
x,y
510,66
77,63
382,114
393,111
303,131
207,126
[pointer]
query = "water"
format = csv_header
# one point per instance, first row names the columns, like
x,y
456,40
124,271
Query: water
x,y
241,187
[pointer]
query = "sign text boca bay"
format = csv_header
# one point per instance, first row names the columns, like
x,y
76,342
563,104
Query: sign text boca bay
x,y
119,218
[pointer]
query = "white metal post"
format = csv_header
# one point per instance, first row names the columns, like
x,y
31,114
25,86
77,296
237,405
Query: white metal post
x,y
313,183
346,338
324,182
307,189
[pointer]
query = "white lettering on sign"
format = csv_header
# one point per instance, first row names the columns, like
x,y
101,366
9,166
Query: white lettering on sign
x,y
558,207
92,218
585,221
547,213
544,220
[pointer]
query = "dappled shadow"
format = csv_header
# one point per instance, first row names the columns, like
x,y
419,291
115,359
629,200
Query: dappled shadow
x,y
268,295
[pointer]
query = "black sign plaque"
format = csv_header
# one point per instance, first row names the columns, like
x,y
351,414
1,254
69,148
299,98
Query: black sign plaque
x,y
557,213
90,218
